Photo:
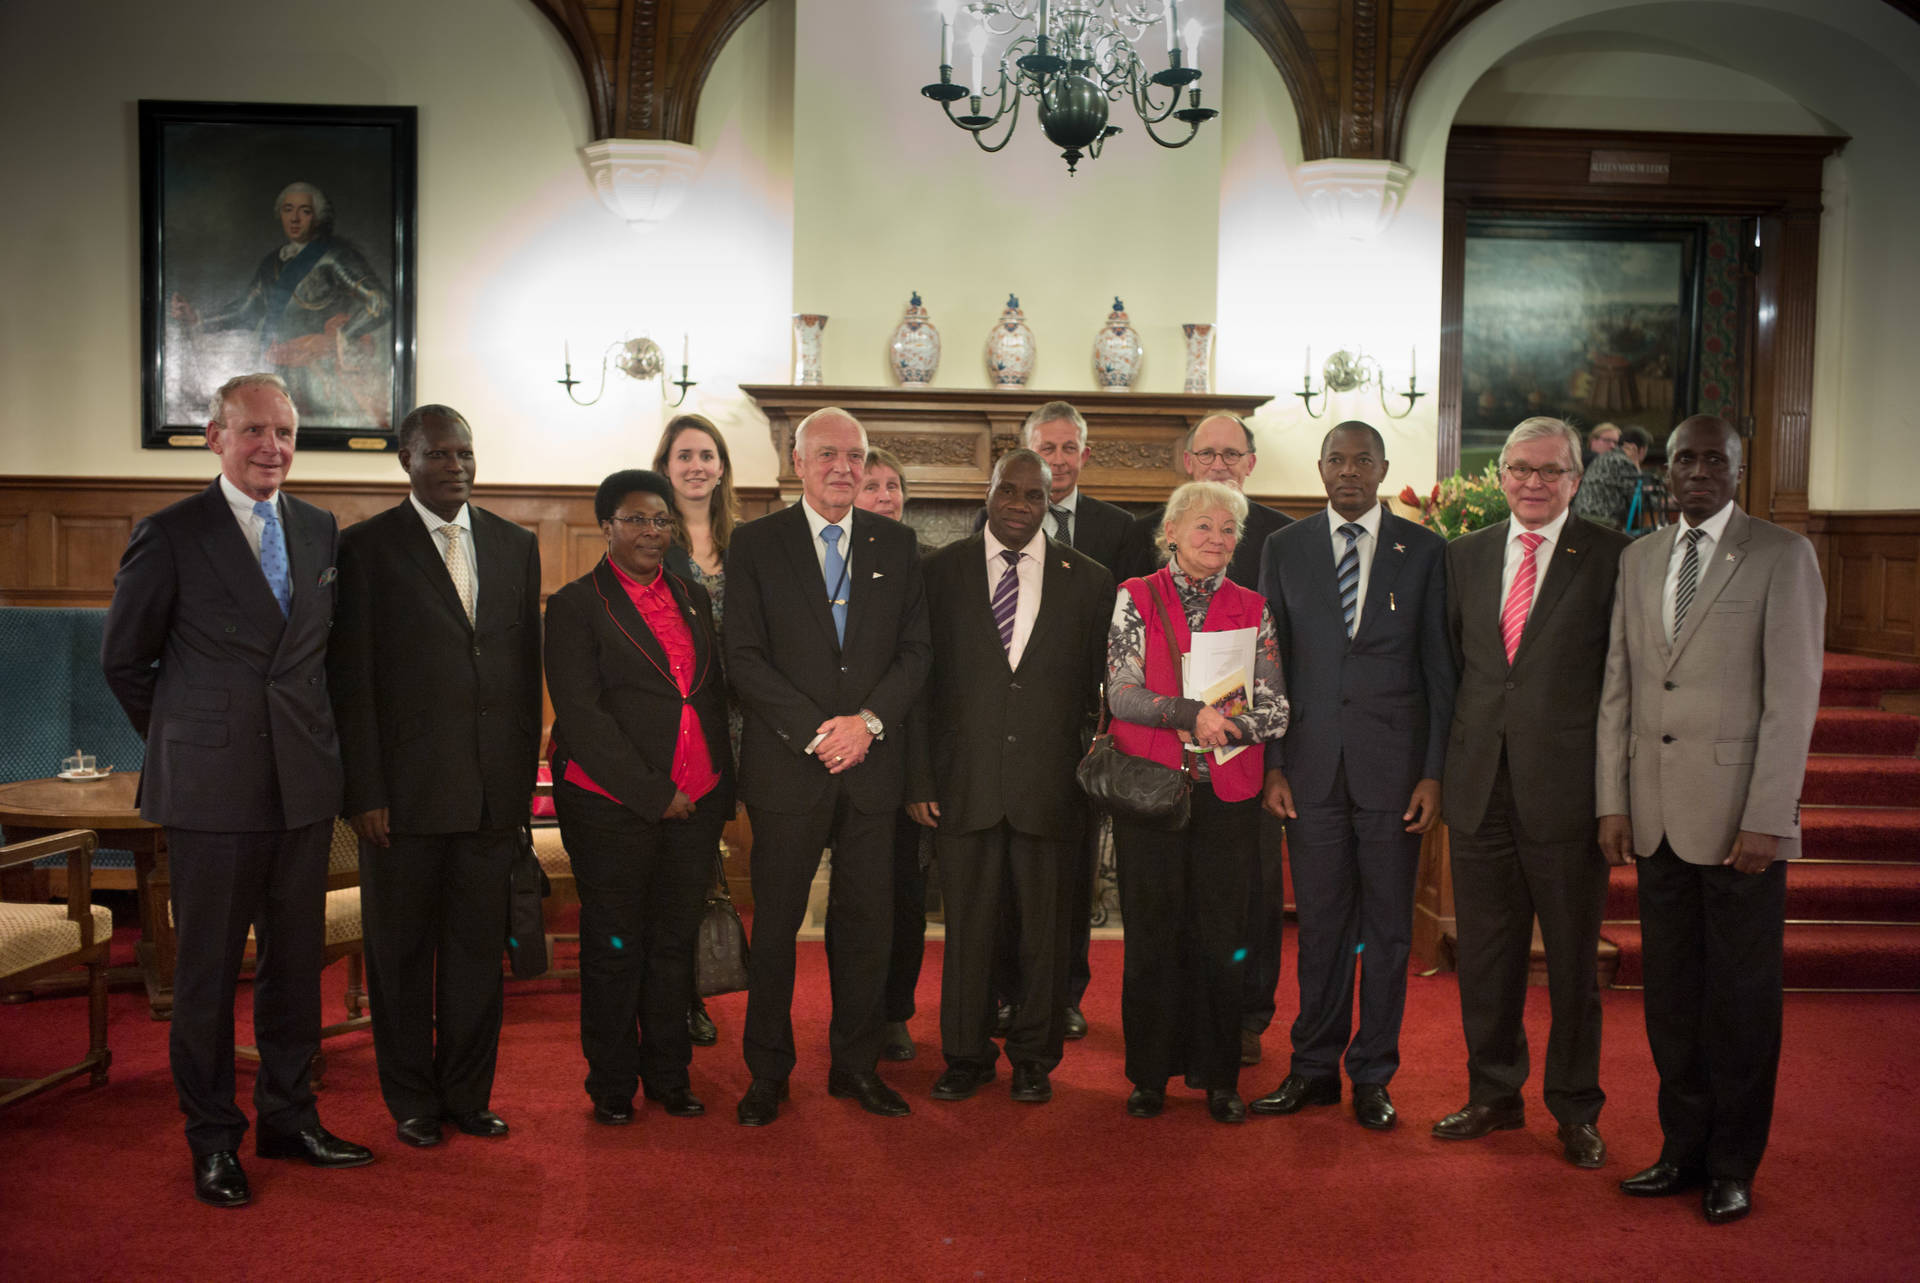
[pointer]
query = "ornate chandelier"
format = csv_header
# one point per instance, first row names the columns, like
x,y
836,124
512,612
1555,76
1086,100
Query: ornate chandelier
x,y
1072,57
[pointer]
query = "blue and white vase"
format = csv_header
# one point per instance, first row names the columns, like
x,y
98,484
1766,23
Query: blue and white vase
x,y
1116,351
1010,347
915,349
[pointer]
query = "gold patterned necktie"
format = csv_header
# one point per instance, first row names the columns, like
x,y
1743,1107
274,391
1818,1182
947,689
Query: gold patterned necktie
x,y
457,568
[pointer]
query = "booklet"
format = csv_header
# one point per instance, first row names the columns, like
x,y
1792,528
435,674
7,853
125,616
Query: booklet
x,y
1217,670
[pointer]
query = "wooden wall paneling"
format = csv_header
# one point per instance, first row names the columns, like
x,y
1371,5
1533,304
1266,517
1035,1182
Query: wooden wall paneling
x,y
1871,564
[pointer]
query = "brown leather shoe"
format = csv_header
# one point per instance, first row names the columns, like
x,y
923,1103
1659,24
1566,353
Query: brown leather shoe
x,y
1471,1122
1583,1144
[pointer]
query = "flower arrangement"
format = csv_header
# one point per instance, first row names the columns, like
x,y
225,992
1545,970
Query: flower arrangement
x,y
1461,504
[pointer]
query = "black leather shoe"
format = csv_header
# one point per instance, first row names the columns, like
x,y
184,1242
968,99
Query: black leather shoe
x,y
1249,1047
874,1096
761,1104
1662,1179
1471,1122
1296,1092
679,1102
612,1111
218,1180
1146,1102
1076,1024
1003,1020
1726,1200
480,1122
421,1133
1372,1107
958,1082
316,1145
700,1026
1583,1145
899,1042
1225,1105
1030,1085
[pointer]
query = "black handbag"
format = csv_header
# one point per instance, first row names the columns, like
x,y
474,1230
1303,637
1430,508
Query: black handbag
x,y
720,950
1135,789
527,886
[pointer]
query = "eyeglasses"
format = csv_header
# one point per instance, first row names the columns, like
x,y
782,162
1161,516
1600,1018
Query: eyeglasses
x,y
1550,475
1209,457
644,523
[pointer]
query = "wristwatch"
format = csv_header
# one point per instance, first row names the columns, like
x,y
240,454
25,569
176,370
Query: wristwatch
x,y
875,727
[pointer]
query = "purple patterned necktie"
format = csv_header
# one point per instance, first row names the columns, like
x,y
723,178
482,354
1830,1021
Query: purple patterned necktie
x,y
1006,599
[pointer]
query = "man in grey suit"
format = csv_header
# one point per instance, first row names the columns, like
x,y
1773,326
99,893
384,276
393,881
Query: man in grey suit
x,y
1713,682
215,646
1528,608
1360,612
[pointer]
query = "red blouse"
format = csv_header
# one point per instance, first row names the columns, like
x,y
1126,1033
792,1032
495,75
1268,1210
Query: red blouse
x,y
693,772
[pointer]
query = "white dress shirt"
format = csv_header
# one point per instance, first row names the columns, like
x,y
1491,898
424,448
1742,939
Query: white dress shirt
x,y
817,523
1713,528
1363,547
1050,527
1542,556
462,519
250,523
1030,569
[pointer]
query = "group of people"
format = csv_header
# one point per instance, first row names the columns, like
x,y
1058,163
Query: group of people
x,y
1563,697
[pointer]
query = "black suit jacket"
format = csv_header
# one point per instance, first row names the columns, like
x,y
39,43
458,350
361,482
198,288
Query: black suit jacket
x,y
1099,528
230,695
439,719
1004,742
1383,701
616,709
1140,556
790,673
1543,710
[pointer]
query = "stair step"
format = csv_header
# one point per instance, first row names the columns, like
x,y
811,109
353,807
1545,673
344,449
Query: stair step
x,y
1862,781
1818,955
1860,833
1816,892
1868,731
1855,673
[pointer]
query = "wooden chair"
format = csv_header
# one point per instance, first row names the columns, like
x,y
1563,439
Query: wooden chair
x,y
38,940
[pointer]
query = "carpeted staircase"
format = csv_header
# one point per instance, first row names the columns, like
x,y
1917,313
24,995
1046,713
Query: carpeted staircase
x,y
1853,899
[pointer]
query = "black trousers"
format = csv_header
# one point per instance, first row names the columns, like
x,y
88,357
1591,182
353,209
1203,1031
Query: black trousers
x,y
1502,880
1007,982
643,886
1266,925
435,910
1183,898
909,944
786,853
977,871
1353,882
1714,942
223,883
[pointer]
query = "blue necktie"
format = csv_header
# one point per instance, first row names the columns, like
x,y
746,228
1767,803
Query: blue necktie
x,y
835,570
1347,573
273,554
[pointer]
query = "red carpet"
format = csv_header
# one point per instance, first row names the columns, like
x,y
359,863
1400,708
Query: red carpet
x,y
98,1187
1815,893
1856,681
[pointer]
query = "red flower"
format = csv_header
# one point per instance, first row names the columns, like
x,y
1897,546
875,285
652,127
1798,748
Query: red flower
x,y
1408,497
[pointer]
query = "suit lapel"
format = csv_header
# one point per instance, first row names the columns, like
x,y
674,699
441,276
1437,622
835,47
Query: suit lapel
x,y
1389,555
1653,588
305,558
1322,570
1056,581
1728,552
975,596
490,562
807,579
613,592
425,556
862,533
1569,556
226,547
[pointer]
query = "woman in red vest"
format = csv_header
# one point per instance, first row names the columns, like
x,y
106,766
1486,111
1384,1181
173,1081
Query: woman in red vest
x,y
1183,895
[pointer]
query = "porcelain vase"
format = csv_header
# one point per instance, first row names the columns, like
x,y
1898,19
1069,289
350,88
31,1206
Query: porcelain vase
x,y
1010,347
915,349
1199,357
1117,352
808,327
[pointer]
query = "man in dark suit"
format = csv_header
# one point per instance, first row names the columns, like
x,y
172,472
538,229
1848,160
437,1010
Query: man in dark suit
x,y
1220,448
1058,434
1016,613
435,676
215,646
1358,597
1529,606
827,647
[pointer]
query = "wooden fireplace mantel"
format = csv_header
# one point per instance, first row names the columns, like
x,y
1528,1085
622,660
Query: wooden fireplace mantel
x,y
948,438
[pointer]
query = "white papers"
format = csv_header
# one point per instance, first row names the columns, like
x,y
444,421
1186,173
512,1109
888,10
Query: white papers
x,y
1217,670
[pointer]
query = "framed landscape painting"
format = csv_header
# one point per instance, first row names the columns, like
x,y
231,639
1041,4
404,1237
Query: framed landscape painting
x,y
1590,322
277,238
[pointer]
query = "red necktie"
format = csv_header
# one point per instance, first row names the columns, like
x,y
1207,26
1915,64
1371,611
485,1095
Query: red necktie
x,y
1513,618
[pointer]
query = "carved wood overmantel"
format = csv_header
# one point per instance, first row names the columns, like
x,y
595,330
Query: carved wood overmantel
x,y
948,438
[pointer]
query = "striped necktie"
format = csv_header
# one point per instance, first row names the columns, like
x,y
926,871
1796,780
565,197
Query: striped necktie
x,y
1006,599
1513,619
1347,573
1688,582
1062,523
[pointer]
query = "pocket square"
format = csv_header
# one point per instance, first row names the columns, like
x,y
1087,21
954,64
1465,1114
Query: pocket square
x,y
327,576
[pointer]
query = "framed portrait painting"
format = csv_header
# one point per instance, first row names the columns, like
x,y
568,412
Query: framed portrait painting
x,y
1588,321
277,238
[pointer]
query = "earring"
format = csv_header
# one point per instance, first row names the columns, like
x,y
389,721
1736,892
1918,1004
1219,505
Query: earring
x,y
1172,546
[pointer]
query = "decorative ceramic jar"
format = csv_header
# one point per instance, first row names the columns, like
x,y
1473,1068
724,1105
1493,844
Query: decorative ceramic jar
x,y
1010,347
807,330
1117,351
1199,357
915,348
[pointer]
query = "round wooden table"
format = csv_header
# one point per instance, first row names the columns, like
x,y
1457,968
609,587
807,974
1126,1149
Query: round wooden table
x,y
35,808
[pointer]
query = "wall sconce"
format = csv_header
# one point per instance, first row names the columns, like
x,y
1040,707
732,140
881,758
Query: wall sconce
x,y
640,359
1347,371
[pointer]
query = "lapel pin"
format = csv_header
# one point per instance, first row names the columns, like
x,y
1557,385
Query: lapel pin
x,y
878,575
1399,547
328,575
1729,556
1065,565
1390,605
1569,551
